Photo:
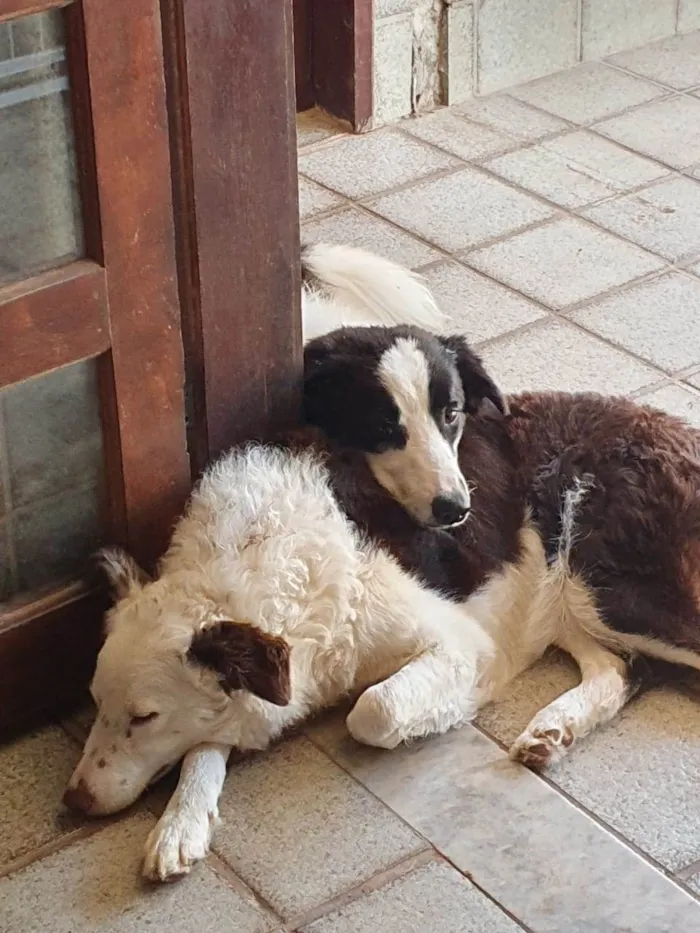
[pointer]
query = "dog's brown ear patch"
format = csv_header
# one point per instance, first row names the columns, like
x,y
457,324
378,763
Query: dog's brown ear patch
x,y
245,658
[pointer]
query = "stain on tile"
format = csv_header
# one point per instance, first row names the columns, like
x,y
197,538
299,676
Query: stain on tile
x,y
664,218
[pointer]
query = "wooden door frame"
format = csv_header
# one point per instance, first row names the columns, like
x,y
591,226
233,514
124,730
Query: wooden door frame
x,y
233,149
333,57
118,305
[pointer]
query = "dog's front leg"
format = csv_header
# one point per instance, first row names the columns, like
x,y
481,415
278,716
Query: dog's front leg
x,y
183,833
434,692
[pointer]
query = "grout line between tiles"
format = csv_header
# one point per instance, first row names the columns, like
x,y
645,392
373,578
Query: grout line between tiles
x,y
253,898
672,169
491,897
634,74
386,876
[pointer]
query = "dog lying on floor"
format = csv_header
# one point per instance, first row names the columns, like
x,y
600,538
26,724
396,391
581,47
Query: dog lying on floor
x,y
421,547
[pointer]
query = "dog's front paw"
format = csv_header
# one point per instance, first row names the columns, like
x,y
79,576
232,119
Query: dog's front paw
x,y
371,723
538,748
180,838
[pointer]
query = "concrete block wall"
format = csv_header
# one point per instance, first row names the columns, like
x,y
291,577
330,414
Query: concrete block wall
x,y
430,52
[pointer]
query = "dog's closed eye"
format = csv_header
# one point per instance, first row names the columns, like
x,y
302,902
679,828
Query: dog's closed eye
x,y
142,720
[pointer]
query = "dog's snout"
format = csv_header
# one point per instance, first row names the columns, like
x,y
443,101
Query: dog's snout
x,y
449,511
79,799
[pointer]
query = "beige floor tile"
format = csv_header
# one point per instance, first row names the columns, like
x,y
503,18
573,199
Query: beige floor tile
x,y
435,898
313,199
508,115
674,61
675,401
358,228
461,210
586,93
516,838
460,136
298,830
553,356
34,771
563,262
667,130
664,218
658,320
94,887
476,306
361,166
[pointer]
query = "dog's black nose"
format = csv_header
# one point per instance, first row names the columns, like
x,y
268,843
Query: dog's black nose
x,y
79,799
448,511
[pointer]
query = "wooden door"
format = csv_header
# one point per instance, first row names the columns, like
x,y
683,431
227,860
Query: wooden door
x,y
333,47
92,415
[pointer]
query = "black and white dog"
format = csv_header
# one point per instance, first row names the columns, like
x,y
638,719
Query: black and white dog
x,y
419,545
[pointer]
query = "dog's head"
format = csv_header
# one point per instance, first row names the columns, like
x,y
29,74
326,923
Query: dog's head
x,y
170,674
402,396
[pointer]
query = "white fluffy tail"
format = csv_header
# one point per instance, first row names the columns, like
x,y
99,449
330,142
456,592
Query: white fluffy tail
x,y
349,287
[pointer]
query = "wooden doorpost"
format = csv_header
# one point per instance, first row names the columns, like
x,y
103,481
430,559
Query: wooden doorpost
x,y
230,70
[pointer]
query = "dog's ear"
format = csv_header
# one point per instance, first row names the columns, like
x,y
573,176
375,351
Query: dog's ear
x,y
340,392
121,570
328,386
245,658
482,396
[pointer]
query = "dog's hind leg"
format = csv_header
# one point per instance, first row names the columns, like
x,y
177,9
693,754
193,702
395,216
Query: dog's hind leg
x,y
434,692
183,833
607,683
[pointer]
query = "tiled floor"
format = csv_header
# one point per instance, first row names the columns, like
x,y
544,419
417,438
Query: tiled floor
x,y
560,225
